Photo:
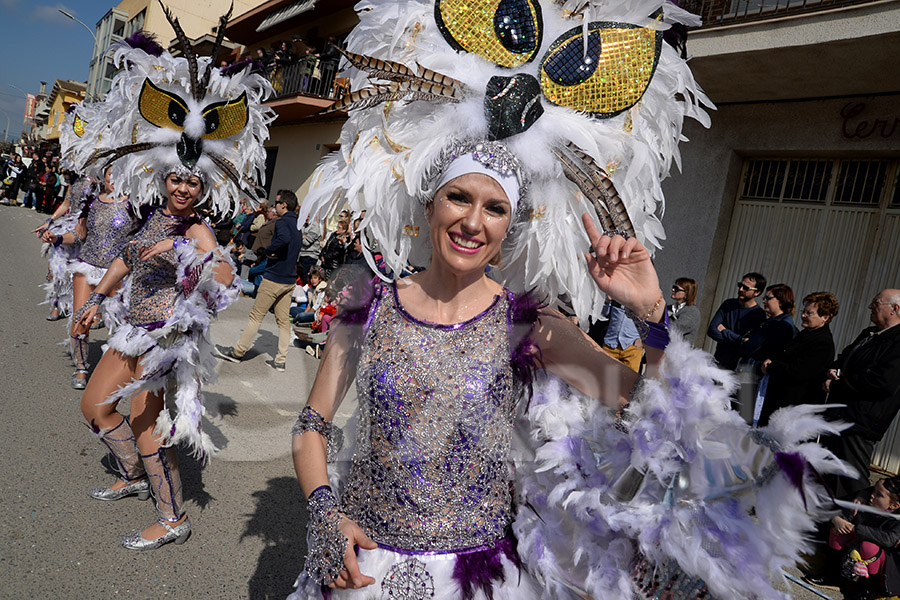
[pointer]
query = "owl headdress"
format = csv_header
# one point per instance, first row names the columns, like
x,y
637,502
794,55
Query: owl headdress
x,y
167,114
586,94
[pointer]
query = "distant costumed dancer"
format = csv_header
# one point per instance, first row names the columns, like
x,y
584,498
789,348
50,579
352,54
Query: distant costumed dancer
x,y
104,223
496,451
181,133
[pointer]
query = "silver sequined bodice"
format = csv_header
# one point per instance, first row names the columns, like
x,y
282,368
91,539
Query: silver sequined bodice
x,y
109,225
153,282
437,404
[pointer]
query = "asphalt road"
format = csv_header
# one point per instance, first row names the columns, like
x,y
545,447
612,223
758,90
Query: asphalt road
x,y
246,507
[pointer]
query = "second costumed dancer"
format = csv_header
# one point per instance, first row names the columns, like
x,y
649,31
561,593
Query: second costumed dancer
x,y
185,132
496,451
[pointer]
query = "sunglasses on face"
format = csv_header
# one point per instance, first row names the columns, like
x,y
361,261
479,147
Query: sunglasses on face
x,y
675,288
745,288
767,298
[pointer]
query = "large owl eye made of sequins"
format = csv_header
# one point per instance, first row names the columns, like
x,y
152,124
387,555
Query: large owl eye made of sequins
x,y
78,126
225,119
506,32
162,108
610,77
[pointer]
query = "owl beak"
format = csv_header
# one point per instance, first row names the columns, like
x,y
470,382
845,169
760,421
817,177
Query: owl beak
x,y
512,104
189,150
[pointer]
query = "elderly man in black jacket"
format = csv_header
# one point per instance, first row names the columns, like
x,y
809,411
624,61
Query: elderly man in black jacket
x,y
277,283
866,378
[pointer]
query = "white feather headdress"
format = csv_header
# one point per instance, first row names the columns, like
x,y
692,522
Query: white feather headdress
x,y
428,73
166,113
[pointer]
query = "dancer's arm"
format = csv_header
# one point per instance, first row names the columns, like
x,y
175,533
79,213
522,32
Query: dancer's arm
x,y
623,270
334,377
63,209
84,316
205,240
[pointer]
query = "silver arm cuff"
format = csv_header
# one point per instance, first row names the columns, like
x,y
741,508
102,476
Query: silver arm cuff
x,y
326,544
311,420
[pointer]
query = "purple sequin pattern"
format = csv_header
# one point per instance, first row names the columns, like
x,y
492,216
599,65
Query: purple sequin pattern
x,y
109,225
437,404
154,282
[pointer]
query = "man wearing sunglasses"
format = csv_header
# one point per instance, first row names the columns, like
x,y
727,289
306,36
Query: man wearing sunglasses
x,y
735,318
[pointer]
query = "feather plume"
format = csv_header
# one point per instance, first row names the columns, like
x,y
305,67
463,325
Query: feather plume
x,y
597,187
188,50
395,71
117,153
220,35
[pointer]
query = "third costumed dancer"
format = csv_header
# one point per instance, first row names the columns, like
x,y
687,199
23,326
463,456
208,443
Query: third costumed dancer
x,y
185,132
496,451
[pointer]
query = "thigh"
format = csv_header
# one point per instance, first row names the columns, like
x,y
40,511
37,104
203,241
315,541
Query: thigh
x,y
266,296
283,305
113,371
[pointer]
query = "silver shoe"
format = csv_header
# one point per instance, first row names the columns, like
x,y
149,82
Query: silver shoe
x,y
178,534
77,382
141,488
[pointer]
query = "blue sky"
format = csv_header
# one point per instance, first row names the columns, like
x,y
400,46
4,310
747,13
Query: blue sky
x,y
39,44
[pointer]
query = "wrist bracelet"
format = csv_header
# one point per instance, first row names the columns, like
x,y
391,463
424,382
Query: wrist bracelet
x,y
326,544
58,241
658,334
95,299
311,420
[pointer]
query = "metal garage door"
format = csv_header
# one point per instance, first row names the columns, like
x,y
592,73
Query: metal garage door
x,y
820,225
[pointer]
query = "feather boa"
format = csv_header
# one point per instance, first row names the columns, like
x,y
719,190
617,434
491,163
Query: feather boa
x,y
688,482
181,349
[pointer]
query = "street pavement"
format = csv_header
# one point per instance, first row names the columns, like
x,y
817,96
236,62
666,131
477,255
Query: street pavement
x,y
245,506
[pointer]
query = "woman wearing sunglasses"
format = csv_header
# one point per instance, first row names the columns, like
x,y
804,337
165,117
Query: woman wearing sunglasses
x,y
684,316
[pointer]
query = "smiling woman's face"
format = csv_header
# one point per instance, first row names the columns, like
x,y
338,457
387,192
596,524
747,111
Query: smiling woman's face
x,y
182,193
468,219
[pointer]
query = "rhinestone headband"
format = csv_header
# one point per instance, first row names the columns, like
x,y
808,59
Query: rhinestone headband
x,y
493,155
183,172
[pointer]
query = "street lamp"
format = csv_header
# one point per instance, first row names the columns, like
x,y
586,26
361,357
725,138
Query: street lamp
x,y
90,31
24,93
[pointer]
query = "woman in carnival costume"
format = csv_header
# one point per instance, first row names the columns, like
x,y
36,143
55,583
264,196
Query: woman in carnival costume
x,y
496,452
59,278
185,133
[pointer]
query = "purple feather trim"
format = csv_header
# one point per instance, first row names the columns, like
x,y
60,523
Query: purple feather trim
x,y
255,67
146,41
794,466
479,570
357,300
524,312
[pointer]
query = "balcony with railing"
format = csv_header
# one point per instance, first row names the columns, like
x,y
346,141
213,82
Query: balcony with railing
x,y
304,87
777,50
727,12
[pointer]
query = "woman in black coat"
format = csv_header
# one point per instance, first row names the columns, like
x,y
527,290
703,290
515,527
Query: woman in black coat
x,y
797,373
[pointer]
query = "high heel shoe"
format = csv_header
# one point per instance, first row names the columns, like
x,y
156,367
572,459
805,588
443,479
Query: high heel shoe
x,y
140,488
178,535
79,383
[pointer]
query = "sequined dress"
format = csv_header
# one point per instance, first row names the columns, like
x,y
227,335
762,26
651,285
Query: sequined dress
x,y
430,480
436,413
153,281
109,227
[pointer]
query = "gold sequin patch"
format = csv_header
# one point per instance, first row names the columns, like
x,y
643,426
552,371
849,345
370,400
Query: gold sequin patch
x,y
613,75
475,26
411,231
78,126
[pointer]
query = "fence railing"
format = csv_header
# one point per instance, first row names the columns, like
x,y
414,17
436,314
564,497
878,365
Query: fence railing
x,y
727,12
308,75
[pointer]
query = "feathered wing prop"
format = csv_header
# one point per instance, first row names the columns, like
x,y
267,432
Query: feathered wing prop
x,y
416,93
686,485
187,356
